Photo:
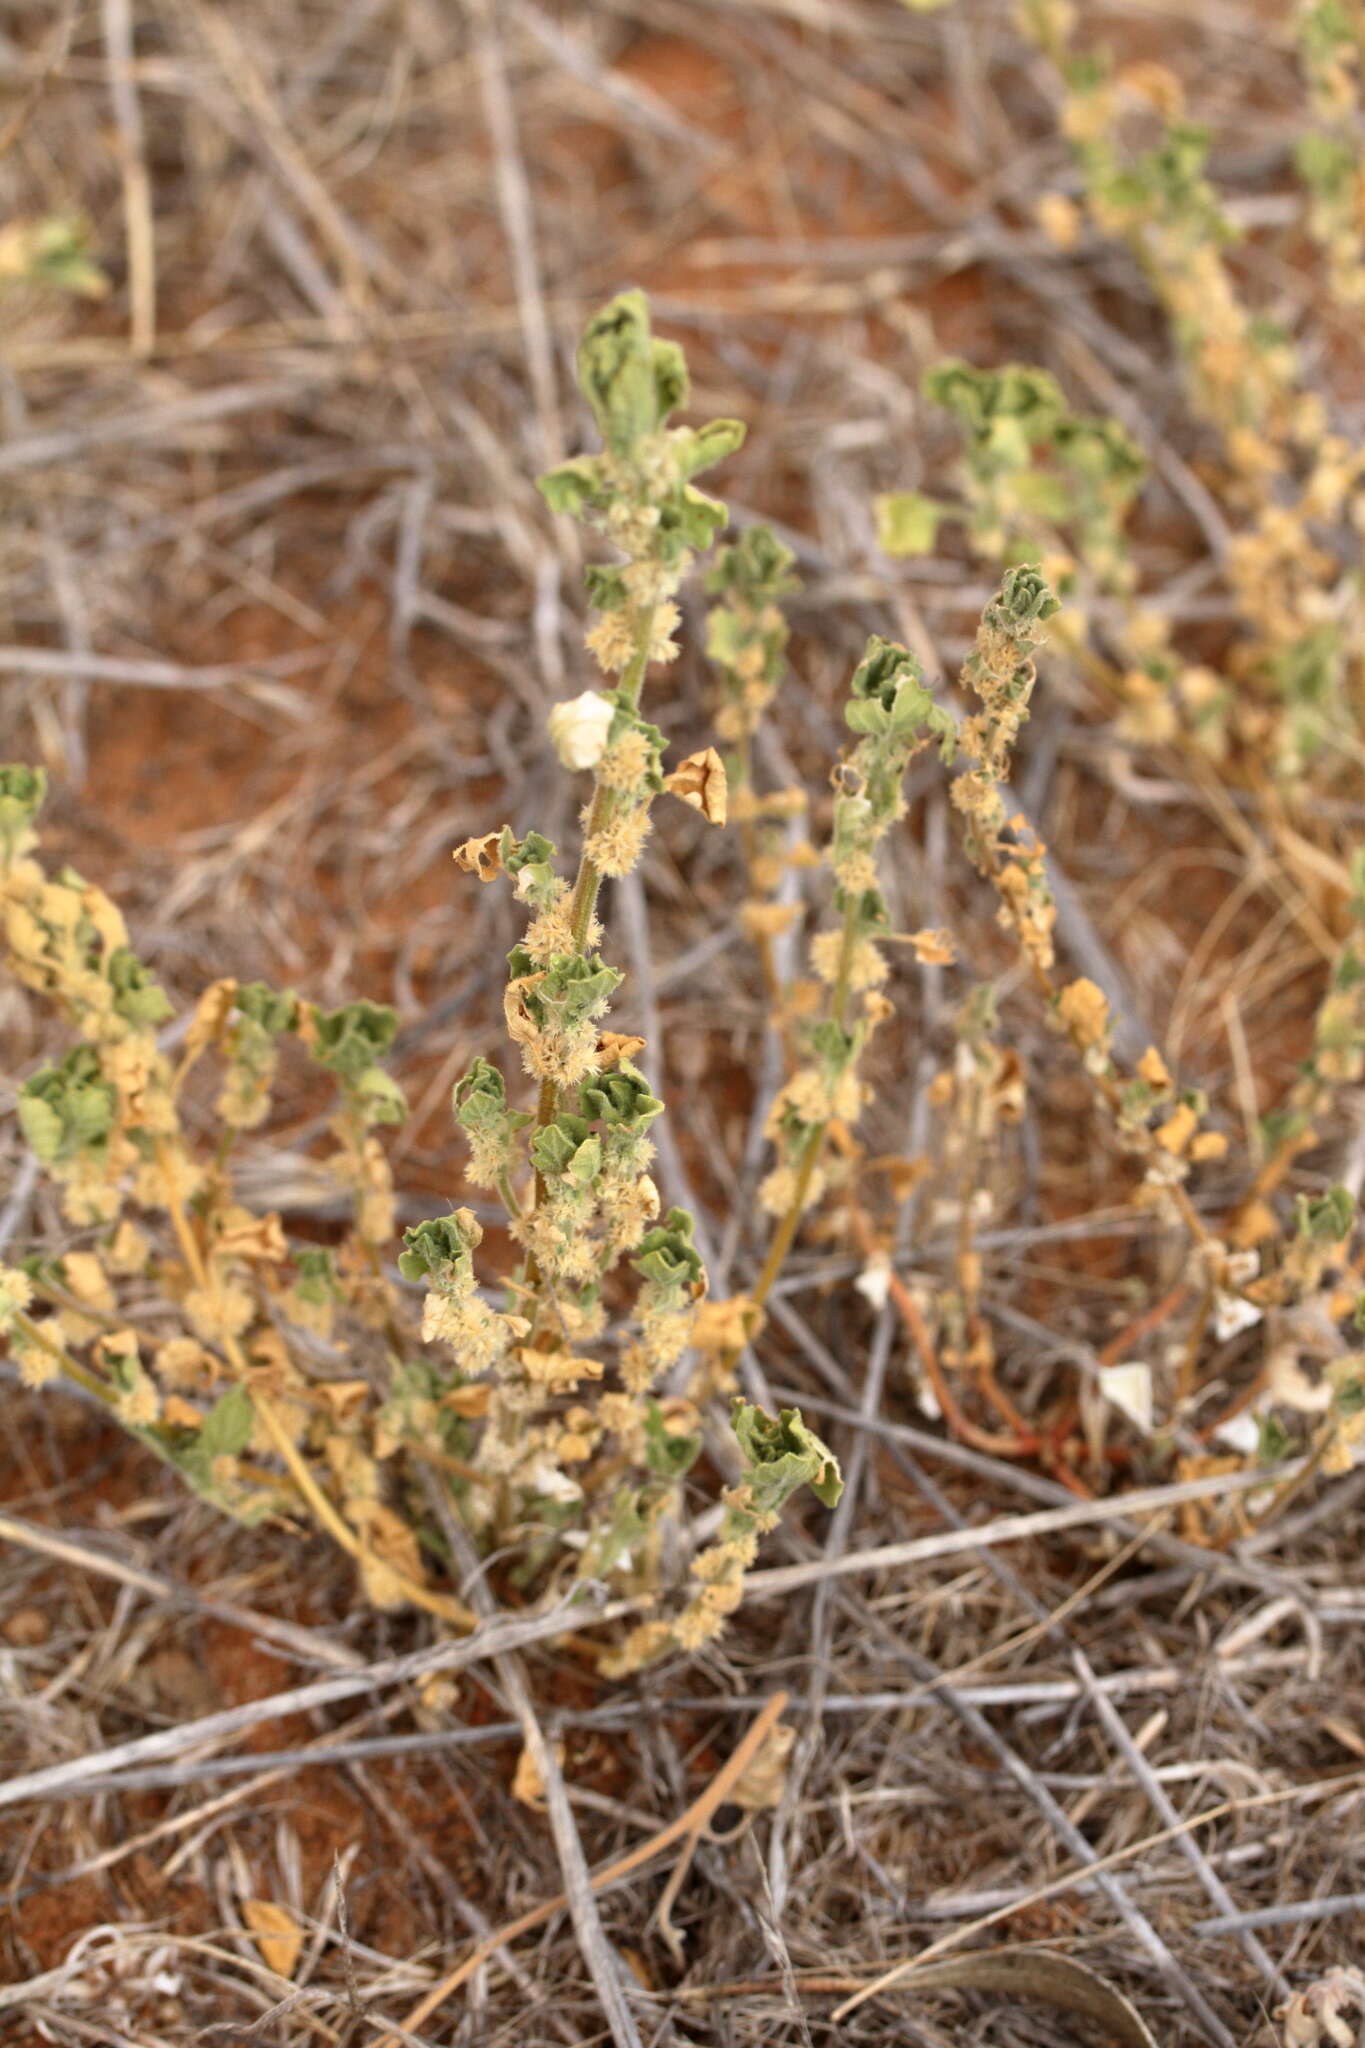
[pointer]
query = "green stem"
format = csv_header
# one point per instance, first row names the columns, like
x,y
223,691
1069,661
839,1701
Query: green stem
x,y
814,1142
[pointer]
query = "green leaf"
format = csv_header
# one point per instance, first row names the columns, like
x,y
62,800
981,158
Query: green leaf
x,y
1007,412
22,790
1101,450
1273,1440
555,1144
610,1546
620,1099
887,697
1024,598
781,1455
317,1283
1326,1218
606,586
699,448
575,487
67,1109
438,1244
908,522
535,850
41,1126
225,1431
273,1010
756,567
137,998
380,1098
351,1039
574,987
56,251
688,522
1038,492
479,1101
631,381
666,1254
667,1456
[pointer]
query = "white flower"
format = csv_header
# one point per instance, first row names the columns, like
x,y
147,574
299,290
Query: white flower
x,y
1242,1434
1129,1388
549,1483
1232,1315
874,1283
578,729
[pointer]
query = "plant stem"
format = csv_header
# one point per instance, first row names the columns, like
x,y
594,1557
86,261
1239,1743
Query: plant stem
x,y
1103,1085
588,881
814,1142
749,846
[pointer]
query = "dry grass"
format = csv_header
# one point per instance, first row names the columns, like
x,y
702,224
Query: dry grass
x,y
284,618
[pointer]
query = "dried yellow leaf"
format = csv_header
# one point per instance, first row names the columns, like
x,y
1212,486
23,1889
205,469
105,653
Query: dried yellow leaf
x,y
933,948
1085,1012
211,1013
178,1413
1180,1126
469,1402
392,1555
481,856
128,1251
343,1397
1059,219
528,1782
1254,1222
278,1934
1153,1069
614,1046
760,1785
84,1277
768,920
1209,1145
559,1371
1155,84
721,1326
244,1236
700,781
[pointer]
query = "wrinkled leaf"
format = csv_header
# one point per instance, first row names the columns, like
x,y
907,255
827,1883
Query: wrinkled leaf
x,y
781,1455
